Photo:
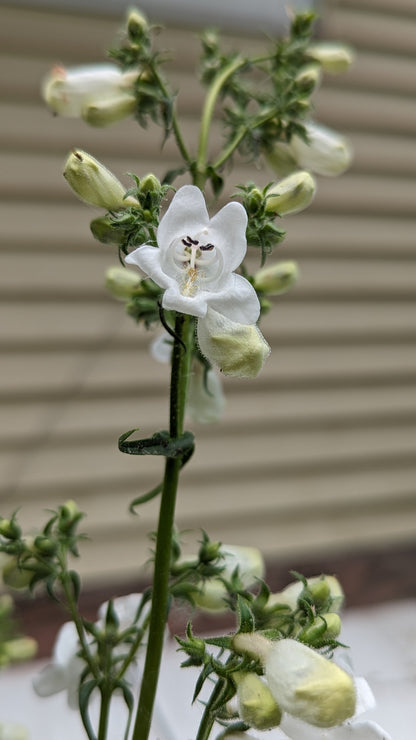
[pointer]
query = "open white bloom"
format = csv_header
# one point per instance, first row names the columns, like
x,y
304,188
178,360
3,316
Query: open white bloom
x,y
64,672
195,262
100,93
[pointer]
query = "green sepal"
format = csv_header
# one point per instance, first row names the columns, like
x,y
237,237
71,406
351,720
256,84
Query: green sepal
x,y
85,691
246,622
76,583
145,497
232,729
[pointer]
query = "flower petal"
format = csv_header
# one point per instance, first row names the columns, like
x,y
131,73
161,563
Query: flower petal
x,y
237,300
187,213
50,680
227,230
148,259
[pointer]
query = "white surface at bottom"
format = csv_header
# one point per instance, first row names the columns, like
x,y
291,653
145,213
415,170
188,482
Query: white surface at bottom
x,y
383,649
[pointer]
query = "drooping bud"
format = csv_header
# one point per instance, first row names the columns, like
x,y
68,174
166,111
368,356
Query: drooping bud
x,y
322,588
276,279
236,349
292,194
14,576
104,112
326,152
334,58
69,516
324,626
122,282
309,686
69,91
256,703
94,183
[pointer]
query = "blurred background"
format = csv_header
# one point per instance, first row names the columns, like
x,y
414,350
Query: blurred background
x,y
315,460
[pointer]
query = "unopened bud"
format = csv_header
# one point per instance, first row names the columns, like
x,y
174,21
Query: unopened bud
x,y
150,184
94,183
14,576
236,349
10,529
20,648
12,731
122,283
309,686
101,113
45,545
212,593
137,25
281,160
256,704
334,58
69,516
292,194
106,232
326,152
309,77
276,279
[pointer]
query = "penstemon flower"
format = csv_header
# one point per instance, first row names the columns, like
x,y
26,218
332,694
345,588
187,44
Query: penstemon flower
x,y
326,152
195,262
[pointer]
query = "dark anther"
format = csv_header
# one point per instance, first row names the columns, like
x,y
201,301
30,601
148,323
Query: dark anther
x,y
206,247
188,242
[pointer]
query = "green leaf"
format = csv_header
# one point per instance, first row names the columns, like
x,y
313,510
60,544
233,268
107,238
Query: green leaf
x,y
145,497
159,444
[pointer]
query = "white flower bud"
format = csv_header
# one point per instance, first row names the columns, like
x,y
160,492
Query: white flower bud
x,y
276,279
94,183
68,91
103,112
236,349
334,58
309,76
309,686
256,703
121,282
11,731
280,159
20,648
292,194
322,587
326,152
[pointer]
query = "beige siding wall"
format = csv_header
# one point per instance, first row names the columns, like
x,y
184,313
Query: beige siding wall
x,y
317,454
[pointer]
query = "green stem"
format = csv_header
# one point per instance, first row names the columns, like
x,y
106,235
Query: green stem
x,y
207,114
104,713
175,125
209,715
160,590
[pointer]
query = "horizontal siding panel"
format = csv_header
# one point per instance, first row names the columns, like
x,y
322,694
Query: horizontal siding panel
x,y
83,325
375,31
371,112
126,371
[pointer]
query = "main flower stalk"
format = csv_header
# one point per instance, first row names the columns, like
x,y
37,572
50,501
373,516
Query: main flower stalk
x,y
181,359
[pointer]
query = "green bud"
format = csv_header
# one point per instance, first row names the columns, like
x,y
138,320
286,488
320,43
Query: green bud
x,y
334,58
256,704
276,279
309,77
9,529
105,232
20,648
94,183
122,283
103,112
45,545
14,576
69,516
209,551
137,25
292,194
150,184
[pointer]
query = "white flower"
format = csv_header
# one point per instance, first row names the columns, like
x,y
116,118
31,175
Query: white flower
x,y
196,259
64,673
294,729
76,92
194,263
65,670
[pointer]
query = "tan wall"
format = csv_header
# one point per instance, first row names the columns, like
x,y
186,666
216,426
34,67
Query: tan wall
x,y
316,455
